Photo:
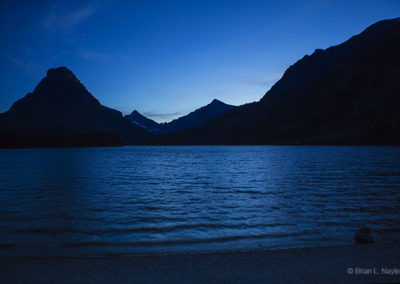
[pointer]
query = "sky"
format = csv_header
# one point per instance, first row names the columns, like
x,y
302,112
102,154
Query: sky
x,y
167,58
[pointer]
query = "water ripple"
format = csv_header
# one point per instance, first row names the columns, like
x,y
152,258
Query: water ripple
x,y
193,198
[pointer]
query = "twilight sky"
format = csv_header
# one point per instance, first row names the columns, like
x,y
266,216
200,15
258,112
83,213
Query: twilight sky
x,y
167,58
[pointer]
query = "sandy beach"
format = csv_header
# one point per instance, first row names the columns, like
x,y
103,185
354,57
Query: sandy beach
x,y
346,264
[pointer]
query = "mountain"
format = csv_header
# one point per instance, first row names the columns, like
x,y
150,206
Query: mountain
x,y
142,121
346,94
61,112
195,118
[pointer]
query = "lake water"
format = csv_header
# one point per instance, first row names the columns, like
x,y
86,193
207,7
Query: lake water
x,y
174,199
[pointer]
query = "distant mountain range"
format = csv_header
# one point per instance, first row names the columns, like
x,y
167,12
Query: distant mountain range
x,y
346,94
193,119
60,112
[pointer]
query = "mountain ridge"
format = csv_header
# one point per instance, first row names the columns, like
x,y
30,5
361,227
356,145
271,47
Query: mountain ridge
x,y
346,94
352,103
193,119
62,112
322,60
137,118
196,117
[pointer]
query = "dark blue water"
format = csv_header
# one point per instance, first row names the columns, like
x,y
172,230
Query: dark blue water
x,y
169,199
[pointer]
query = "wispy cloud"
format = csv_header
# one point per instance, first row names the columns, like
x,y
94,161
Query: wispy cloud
x,y
29,68
61,19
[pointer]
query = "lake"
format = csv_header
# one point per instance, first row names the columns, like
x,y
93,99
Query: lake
x,y
195,198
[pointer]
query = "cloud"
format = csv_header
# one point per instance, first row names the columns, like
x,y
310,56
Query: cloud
x,y
16,61
265,80
29,68
58,19
162,116
95,55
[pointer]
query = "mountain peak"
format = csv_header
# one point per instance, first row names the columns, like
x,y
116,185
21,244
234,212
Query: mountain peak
x,y
60,90
62,112
60,73
347,94
312,67
138,119
62,86
215,101
195,118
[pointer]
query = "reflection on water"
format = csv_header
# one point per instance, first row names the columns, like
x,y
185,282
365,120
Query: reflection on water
x,y
157,199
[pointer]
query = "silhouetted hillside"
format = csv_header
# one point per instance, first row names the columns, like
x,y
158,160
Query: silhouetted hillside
x,y
61,112
346,94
